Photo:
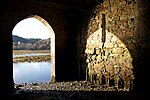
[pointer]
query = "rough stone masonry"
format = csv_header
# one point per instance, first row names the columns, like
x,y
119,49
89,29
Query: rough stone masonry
x,y
106,41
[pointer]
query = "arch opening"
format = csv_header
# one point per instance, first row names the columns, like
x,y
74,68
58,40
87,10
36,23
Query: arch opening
x,y
110,61
41,51
108,44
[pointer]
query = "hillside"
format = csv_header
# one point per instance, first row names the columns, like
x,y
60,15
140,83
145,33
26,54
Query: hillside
x,y
20,43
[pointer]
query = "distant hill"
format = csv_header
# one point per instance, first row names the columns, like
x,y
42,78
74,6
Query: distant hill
x,y
20,43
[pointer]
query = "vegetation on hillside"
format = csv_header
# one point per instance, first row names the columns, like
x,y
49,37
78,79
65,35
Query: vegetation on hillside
x,y
20,43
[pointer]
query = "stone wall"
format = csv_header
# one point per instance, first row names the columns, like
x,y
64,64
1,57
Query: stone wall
x,y
60,18
108,43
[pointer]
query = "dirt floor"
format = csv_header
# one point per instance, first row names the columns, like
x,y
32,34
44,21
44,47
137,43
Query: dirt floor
x,y
69,91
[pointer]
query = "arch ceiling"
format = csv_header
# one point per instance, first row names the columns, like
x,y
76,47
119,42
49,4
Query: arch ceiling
x,y
76,4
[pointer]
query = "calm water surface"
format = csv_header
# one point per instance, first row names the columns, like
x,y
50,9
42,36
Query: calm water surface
x,y
29,54
35,72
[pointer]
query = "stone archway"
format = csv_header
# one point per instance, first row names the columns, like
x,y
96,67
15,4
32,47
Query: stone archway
x,y
52,44
108,43
108,62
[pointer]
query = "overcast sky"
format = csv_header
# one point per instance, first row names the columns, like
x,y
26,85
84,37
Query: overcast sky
x,y
31,28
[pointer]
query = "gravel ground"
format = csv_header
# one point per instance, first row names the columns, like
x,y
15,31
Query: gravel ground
x,y
74,90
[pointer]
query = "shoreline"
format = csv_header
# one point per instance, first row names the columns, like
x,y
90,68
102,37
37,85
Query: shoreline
x,y
39,58
36,58
29,51
67,86
71,90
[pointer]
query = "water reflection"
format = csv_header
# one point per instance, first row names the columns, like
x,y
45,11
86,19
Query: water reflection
x,y
38,72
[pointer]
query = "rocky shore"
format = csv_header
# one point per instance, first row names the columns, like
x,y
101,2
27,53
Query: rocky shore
x,y
74,90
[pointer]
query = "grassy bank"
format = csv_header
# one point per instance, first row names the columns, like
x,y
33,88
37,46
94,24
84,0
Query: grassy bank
x,y
40,58
30,51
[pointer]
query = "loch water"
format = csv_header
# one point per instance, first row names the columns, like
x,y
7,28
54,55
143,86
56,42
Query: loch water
x,y
31,72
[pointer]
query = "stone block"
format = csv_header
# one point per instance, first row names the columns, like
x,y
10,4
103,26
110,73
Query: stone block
x,y
109,45
118,50
94,57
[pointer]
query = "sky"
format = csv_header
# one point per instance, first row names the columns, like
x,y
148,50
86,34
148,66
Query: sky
x,y
31,28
